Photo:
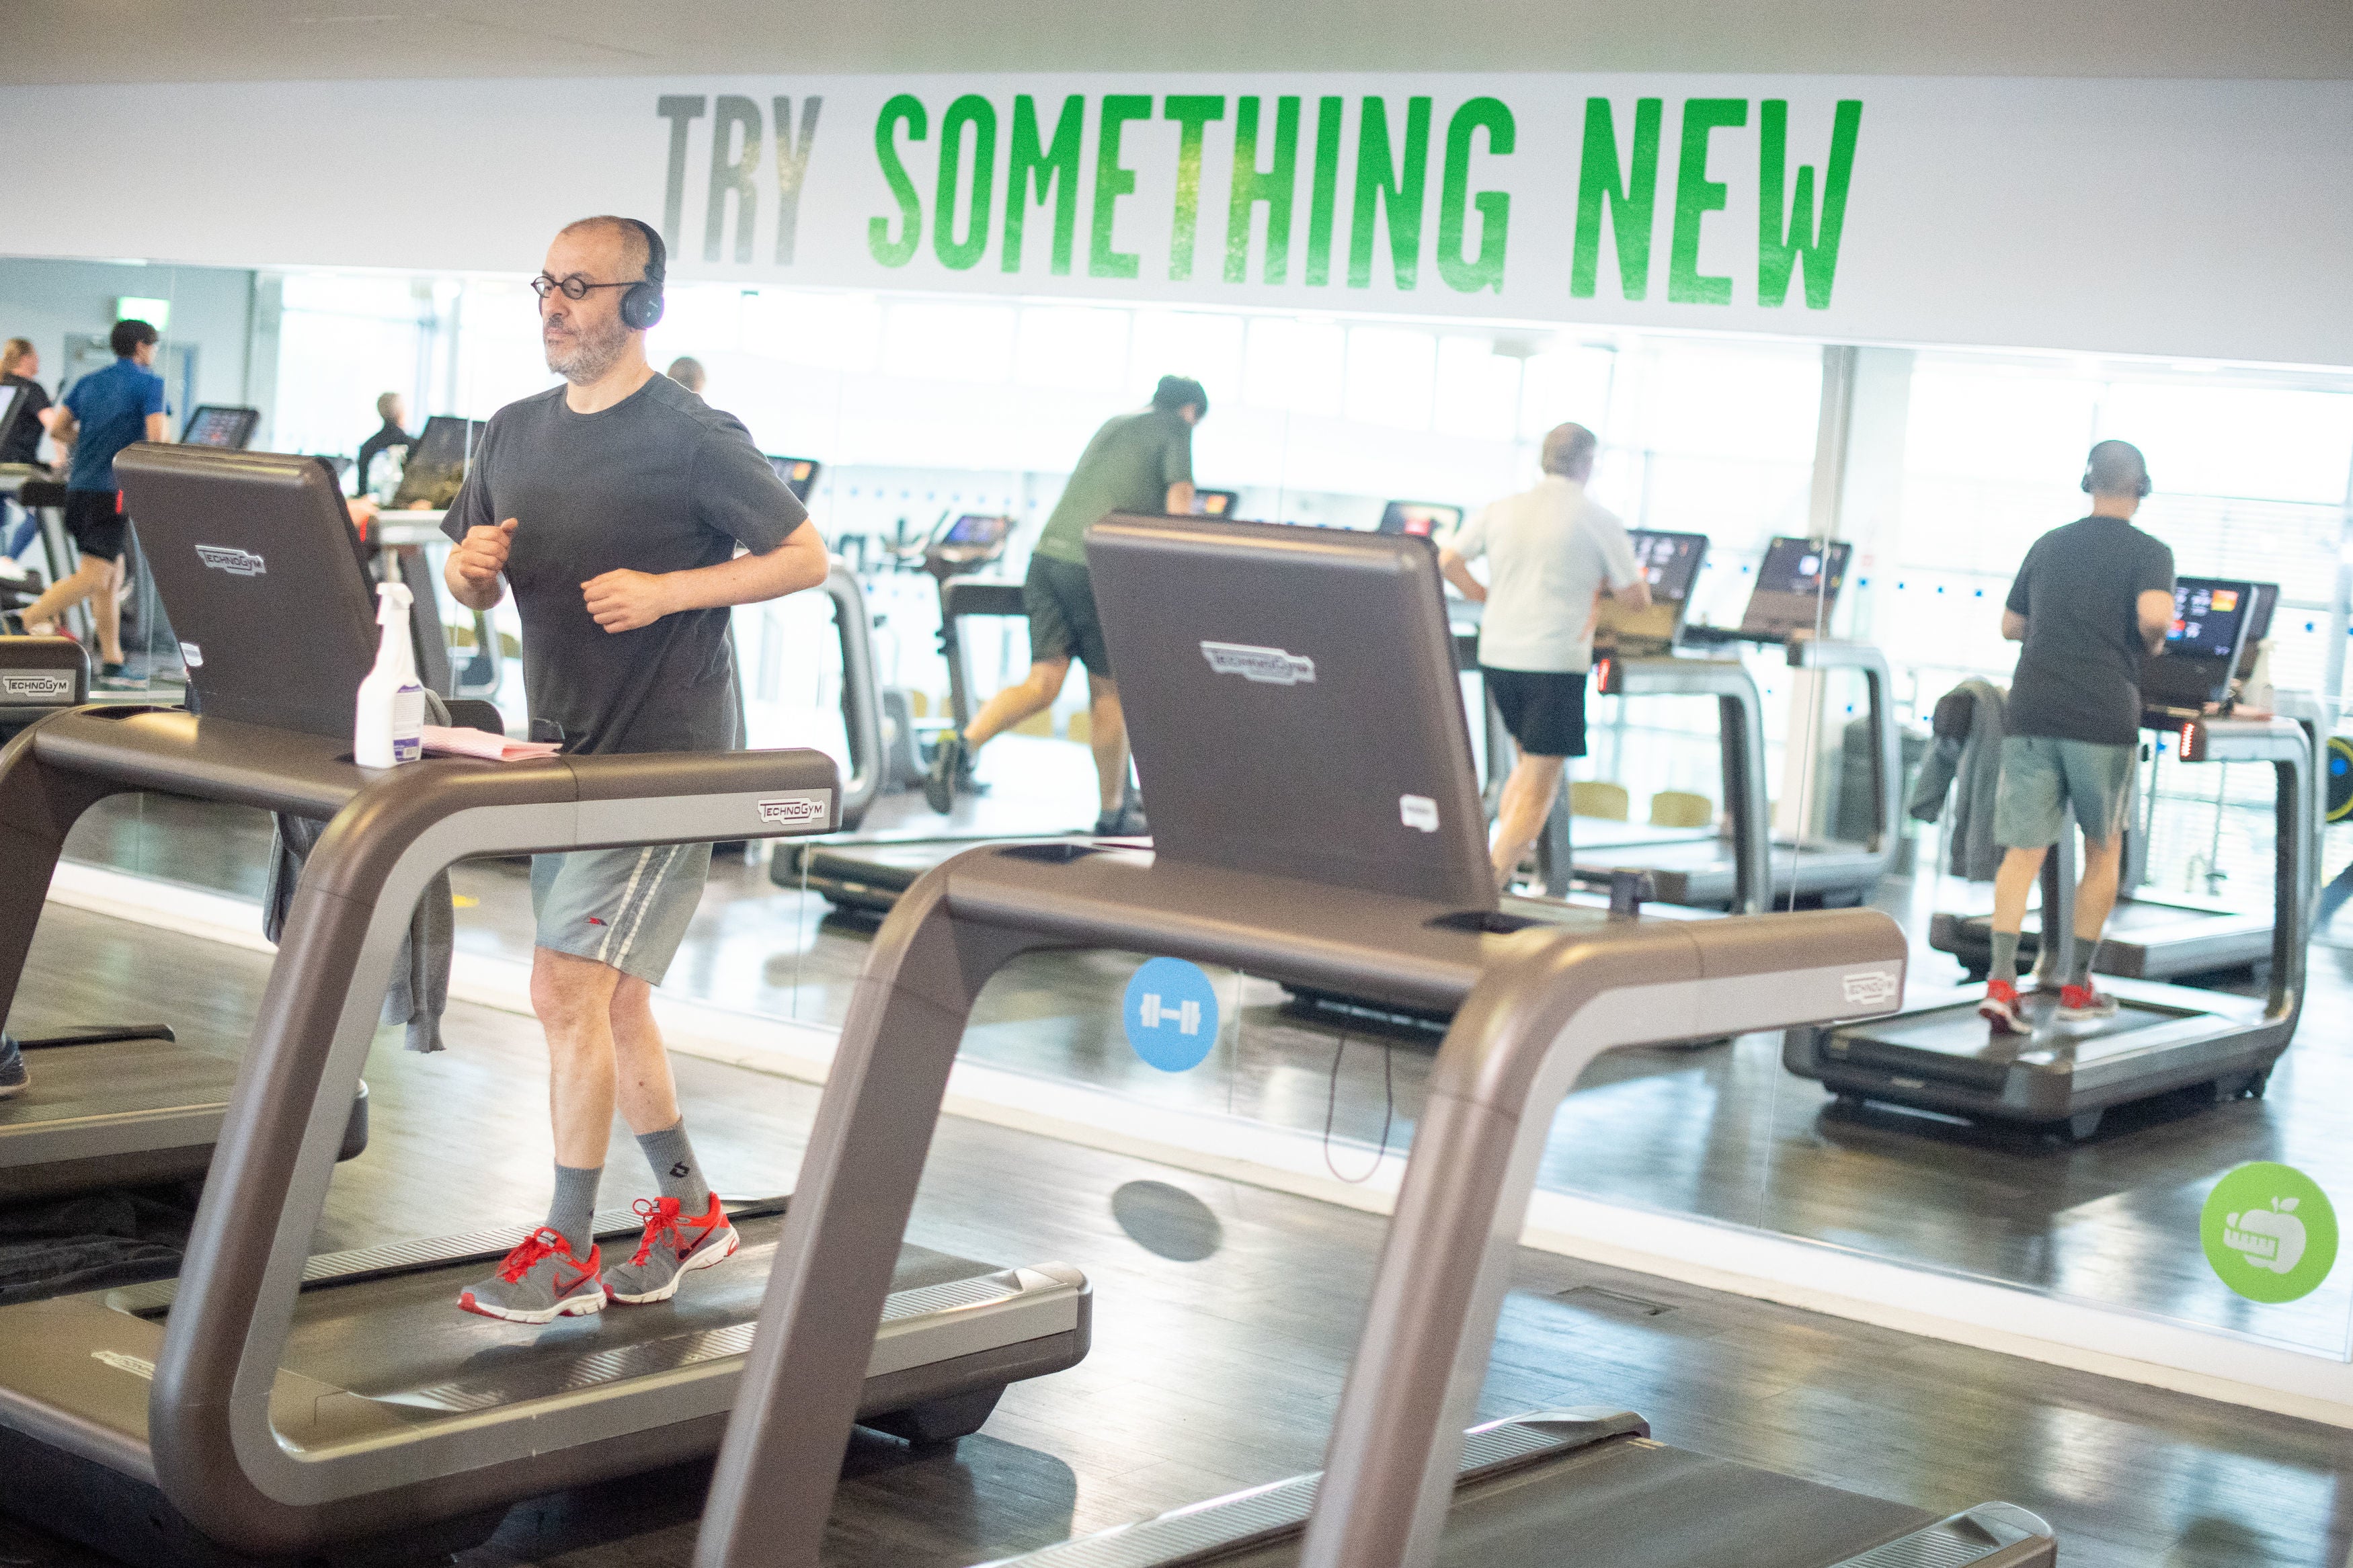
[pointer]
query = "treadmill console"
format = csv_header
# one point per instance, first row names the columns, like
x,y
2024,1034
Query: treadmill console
x,y
2217,626
799,474
967,544
12,405
1797,588
218,425
1421,520
437,464
1670,564
1216,503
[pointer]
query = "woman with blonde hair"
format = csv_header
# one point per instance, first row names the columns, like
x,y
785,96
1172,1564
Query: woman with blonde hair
x,y
20,436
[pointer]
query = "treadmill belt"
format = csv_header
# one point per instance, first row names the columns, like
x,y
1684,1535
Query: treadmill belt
x,y
1955,1045
401,1340
117,1078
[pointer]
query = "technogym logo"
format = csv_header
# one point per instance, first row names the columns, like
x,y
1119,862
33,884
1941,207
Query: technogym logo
x,y
1262,666
236,563
41,687
795,810
1343,192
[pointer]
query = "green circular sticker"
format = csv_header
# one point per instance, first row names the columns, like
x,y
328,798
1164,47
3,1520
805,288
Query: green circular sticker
x,y
2269,1232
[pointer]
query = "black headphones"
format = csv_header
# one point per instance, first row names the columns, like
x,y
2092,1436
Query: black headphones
x,y
2140,491
641,306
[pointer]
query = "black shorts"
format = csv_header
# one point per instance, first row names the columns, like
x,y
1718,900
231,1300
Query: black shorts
x,y
1543,708
95,521
1060,599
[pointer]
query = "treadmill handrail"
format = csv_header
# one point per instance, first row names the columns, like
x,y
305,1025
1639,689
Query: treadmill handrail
x,y
862,695
1543,1002
2291,746
1887,746
215,1454
959,597
1740,719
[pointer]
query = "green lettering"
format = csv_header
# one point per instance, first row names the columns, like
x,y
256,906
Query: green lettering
x,y
1778,250
1273,185
908,110
1628,206
1054,171
1113,182
1192,115
960,255
1469,274
1396,187
1323,202
1696,195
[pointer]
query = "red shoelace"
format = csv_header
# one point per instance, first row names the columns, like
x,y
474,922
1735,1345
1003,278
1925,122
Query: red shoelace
x,y
544,1242
660,1216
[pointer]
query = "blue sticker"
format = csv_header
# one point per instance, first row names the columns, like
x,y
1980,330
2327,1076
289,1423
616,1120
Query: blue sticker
x,y
1171,1013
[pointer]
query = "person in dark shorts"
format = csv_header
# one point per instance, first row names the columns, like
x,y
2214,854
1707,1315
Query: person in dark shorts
x,y
1139,462
614,507
2092,600
1551,551
102,412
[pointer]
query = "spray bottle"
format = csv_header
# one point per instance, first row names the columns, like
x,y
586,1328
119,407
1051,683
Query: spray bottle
x,y
390,726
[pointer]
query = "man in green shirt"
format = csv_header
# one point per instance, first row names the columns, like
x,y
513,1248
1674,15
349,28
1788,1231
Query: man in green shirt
x,y
1138,462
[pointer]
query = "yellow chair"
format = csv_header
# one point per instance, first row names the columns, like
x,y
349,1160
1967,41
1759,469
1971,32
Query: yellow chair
x,y
1681,808
1039,723
1594,797
919,703
1080,727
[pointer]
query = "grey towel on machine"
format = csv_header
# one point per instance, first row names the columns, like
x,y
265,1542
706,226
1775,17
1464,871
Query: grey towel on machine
x,y
419,993
1966,762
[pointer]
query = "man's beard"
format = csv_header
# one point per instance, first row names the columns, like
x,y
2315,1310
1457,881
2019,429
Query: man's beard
x,y
589,354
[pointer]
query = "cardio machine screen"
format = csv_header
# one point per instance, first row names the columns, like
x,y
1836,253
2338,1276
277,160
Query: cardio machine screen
x,y
974,528
437,464
1216,503
1669,562
2207,616
1421,520
799,474
1804,566
10,397
212,425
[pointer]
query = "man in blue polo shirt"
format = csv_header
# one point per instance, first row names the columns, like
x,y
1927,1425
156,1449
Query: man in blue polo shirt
x,y
103,413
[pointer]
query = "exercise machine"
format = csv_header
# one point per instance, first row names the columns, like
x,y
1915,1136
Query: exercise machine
x,y
270,1403
1939,1055
2219,628
1788,607
1362,864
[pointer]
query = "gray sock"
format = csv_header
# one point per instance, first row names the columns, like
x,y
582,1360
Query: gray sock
x,y
672,1158
572,1212
2079,970
2004,957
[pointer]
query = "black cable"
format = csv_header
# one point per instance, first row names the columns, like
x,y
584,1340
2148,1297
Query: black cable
x,y
1332,1102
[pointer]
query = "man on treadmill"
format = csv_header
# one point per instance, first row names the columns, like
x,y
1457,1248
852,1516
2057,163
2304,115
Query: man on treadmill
x,y
1551,551
614,506
2092,600
1139,462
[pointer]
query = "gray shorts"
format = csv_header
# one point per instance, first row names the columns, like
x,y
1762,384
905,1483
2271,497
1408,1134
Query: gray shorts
x,y
627,908
2040,777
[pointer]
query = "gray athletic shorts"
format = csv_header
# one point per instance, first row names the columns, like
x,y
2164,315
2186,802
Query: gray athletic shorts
x,y
2040,777
627,908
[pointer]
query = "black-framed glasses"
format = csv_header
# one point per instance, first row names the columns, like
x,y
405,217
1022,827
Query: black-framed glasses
x,y
571,288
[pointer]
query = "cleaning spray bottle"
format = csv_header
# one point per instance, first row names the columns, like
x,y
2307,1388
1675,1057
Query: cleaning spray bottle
x,y
391,721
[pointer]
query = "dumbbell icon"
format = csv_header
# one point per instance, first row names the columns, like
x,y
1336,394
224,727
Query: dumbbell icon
x,y
1185,1015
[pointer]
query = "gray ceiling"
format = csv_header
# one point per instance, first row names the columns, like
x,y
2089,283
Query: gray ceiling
x,y
264,40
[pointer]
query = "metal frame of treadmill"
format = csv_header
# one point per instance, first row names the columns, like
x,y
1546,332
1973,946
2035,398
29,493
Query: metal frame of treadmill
x,y
2042,1085
1532,1009
1740,714
209,1445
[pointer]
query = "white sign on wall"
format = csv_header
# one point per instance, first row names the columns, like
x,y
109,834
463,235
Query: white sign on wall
x,y
2195,218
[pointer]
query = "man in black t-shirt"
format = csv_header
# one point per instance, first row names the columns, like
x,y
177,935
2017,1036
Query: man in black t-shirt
x,y
2091,601
393,409
613,506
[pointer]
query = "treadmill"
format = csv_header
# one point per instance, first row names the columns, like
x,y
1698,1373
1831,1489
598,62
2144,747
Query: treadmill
x,y
1796,589
2220,626
272,1404
1362,864
1938,1055
866,876
799,474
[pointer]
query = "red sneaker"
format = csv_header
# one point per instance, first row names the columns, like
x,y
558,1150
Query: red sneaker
x,y
539,1282
2081,1003
2000,1009
673,1246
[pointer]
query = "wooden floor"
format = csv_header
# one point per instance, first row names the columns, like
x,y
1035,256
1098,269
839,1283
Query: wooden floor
x,y
1224,1317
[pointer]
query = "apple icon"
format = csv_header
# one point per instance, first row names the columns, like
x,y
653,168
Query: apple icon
x,y
2268,1238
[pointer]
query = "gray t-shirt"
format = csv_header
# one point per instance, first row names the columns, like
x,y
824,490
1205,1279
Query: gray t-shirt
x,y
2079,672
659,482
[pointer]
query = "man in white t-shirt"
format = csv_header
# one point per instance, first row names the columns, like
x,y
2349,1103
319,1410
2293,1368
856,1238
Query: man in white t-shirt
x,y
1550,552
